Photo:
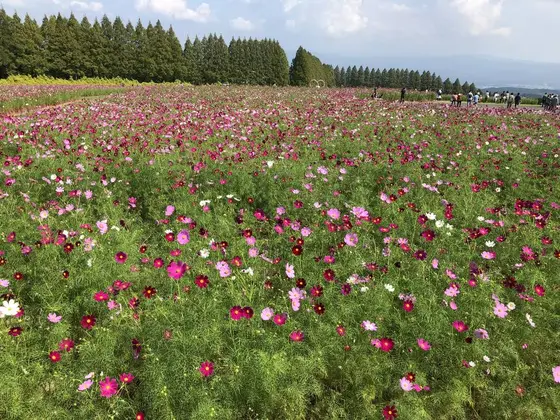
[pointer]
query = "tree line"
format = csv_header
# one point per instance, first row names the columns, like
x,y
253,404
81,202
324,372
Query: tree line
x,y
65,48
70,49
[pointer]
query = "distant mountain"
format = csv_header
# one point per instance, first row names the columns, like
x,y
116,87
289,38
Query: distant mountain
x,y
481,70
530,93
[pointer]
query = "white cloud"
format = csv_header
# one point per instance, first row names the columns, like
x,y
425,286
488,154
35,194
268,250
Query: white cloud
x,y
482,16
341,17
335,17
241,24
93,6
290,4
397,7
177,9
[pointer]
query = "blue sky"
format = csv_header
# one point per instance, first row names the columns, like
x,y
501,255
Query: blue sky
x,y
340,29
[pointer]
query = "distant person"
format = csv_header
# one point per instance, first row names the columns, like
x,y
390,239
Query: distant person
x,y
476,98
517,99
439,92
544,100
459,99
510,98
469,99
374,95
553,103
487,96
403,93
496,97
453,100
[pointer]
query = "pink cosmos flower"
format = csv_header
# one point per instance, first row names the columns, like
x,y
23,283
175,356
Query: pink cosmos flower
x,y
406,385
102,226
253,252
305,232
290,271
488,255
556,374
423,344
183,237
333,214
369,326
54,318
435,264
85,385
452,291
267,313
351,239
481,334
500,310
108,387
169,210
360,212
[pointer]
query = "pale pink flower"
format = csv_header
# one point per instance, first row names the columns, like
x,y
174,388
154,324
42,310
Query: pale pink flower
x,y
556,374
267,313
54,318
290,271
85,385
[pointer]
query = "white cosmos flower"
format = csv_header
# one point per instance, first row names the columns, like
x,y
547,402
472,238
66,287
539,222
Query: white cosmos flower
x,y
431,216
490,244
204,253
269,163
390,287
440,223
511,306
9,307
480,218
486,359
530,320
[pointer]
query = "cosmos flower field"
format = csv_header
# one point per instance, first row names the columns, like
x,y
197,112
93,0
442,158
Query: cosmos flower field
x,y
278,253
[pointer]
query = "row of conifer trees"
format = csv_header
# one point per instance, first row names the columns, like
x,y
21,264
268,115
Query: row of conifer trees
x,y
64,47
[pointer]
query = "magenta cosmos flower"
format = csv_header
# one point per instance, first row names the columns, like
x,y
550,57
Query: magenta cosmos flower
x,y
88,322
460,326
108,387
236,313
126,378
206,368
176,269
121,257
423,344
297,336
386,344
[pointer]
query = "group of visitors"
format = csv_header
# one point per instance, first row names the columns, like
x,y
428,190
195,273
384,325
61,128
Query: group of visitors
x,y
474,98
549,101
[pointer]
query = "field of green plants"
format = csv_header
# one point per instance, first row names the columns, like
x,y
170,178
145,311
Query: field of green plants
x,y
278,253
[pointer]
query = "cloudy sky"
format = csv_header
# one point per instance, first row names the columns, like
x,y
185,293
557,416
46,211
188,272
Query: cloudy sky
x,y
516,29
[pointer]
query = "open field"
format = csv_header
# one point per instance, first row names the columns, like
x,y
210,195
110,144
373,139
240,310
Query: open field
x,y
278,253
